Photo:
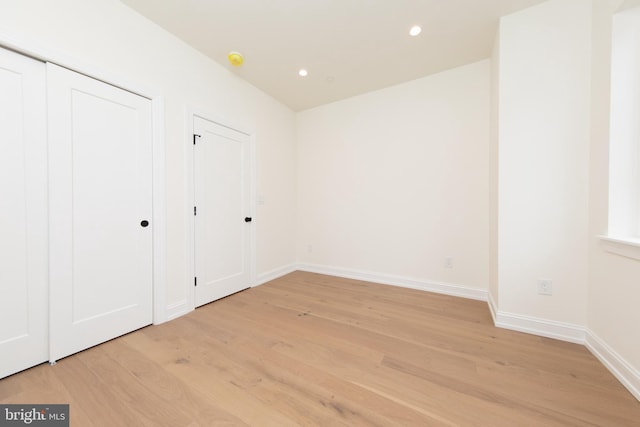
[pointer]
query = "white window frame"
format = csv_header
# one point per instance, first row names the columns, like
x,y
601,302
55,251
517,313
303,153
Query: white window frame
x,y
623,235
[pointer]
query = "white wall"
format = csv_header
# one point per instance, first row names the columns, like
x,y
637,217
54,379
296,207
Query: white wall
x,y
393,181
553,176
109,37
614,281
544,131
494,145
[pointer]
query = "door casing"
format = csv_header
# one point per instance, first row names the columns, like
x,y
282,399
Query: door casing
x,y
189,302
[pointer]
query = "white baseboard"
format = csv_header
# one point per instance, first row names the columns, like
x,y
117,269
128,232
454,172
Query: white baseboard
x,y
178,309
274,274
620,368
542,327
493,307
385,279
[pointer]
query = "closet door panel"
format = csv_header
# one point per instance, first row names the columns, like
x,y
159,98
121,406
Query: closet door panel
x,y
100,160
23,213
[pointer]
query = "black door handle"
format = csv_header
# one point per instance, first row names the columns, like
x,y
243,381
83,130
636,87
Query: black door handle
x,y
248,219
144,223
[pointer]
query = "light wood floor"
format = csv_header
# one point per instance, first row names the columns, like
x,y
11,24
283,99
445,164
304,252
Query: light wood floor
x,y
313,350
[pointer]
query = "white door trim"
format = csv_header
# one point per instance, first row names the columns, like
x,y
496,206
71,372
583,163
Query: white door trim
x,y
190,113
30,48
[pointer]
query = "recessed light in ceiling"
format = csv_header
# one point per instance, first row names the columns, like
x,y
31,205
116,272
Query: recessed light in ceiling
x,y
303,73
415,30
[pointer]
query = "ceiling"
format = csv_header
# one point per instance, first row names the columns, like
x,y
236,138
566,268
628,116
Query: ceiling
x,y
349,47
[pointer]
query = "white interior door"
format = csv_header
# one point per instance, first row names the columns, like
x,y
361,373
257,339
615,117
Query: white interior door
x,y
223,216
23,213
100,160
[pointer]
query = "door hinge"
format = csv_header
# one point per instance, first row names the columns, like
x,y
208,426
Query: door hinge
x,y
195,281
195,211
194,138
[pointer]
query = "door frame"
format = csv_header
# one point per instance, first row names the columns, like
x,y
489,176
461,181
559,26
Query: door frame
x,y
190,113
29,48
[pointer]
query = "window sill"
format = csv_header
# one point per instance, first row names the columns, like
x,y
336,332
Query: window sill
x,y
626,246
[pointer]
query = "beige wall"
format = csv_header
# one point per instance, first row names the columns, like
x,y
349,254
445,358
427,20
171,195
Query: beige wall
x,y
614,280
394,181
554,93
545,81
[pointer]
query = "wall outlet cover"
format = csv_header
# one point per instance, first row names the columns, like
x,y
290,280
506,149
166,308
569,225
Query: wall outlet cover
x,y
545,287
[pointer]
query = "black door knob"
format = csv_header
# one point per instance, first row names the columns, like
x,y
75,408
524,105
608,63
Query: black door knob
x,y
248,219
144,223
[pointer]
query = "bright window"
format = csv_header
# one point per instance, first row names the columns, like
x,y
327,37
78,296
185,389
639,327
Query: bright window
x,y
624,167
623,236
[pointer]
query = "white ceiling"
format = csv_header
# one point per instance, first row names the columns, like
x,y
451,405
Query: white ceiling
x,y
349,47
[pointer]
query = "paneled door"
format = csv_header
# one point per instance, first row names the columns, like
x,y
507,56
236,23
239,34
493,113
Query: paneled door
x,y
222,211
100,160
23,213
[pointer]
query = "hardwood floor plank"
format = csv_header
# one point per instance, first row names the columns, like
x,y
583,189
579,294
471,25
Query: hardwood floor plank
x,y
91,393
305,376
314,350
204,367
348,369
41,384
129,392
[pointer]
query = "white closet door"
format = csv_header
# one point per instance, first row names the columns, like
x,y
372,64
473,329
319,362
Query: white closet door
x,y
100,148
23,213
223,220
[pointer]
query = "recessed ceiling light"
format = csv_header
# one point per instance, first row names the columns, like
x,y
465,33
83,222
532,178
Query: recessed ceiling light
x,y
303,73
415,30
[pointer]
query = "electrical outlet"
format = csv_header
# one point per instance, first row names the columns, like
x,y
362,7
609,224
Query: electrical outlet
x,y
545,287
309,248
448,262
